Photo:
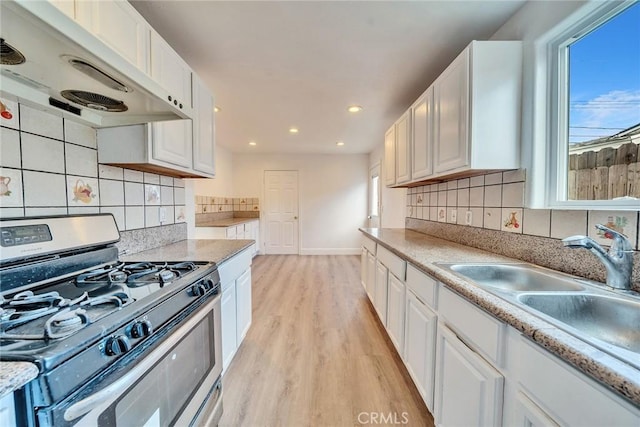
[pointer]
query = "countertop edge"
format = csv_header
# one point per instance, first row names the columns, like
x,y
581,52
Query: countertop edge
x,y
228,222
14,375
614,374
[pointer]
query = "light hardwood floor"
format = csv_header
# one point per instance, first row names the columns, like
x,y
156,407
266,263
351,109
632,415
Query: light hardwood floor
x,y
315,354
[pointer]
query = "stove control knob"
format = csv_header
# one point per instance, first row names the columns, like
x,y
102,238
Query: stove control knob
x,y
141,329
208,283
117,345
198,290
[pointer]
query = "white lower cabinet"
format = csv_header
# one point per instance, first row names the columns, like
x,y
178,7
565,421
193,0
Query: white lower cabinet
x,y
371,275
528,414
468,390
243,304
363,267
229,316
249,230
420,345
380,292
395,312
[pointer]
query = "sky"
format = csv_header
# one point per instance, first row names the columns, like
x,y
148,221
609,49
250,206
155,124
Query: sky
x,y
604,78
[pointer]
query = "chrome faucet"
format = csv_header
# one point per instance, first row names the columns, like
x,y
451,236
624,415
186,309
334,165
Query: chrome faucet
x,y
618,260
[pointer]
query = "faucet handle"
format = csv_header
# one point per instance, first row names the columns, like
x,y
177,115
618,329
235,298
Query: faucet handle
x,y
618,238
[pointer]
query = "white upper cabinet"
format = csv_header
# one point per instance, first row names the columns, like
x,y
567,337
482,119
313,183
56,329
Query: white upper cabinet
x,y
477,109
66,6
203,128
117,24
171,72
172,142
422,136
390,156
403,148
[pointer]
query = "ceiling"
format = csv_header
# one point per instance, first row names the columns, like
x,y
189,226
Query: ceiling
x,y
276,64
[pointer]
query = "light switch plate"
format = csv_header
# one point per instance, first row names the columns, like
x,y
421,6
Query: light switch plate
x,y
454,216
163,215
468,219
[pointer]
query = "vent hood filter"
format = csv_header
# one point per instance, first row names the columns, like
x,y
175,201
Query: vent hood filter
x,y
97,74
10,55
94,101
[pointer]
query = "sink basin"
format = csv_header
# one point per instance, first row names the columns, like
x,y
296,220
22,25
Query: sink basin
x,y
515,277
612,320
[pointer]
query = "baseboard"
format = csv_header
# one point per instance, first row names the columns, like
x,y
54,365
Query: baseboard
x,y
330,251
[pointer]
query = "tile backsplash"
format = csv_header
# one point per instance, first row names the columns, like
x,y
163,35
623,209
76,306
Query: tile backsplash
x,y
496,201
213,204
49,166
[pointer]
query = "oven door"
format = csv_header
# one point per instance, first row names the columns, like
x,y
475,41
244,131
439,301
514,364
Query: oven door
x,y
173,382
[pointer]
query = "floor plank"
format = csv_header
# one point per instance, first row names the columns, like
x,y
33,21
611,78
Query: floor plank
x,y
315,354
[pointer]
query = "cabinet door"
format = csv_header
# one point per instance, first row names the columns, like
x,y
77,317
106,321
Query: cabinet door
x,y
395,312
243,306
390,156
528,414
120,26
371,275
451,98
172,142
403,148
256,235
66,6
420,345
468,389
170,71
363,268
229,326
203,134
422,136
380,293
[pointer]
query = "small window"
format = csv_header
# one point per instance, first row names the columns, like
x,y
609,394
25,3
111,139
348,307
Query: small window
x,y
598,110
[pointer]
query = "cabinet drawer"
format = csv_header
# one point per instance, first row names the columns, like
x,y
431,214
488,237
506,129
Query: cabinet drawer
x,y
478,329
395,264
425,287
369,244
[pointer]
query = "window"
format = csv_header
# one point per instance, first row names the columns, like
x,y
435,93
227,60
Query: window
x,y
374,196
595,123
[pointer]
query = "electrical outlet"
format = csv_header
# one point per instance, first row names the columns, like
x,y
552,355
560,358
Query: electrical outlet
x,y
468,219
163,215
454,216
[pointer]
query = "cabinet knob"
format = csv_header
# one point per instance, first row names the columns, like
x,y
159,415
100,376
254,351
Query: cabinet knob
x,y
181,106
175,102
170,98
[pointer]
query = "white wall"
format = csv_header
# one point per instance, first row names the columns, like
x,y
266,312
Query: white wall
x,y
332,195
393,200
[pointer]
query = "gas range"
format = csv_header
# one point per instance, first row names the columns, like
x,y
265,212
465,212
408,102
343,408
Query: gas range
x,y
71,307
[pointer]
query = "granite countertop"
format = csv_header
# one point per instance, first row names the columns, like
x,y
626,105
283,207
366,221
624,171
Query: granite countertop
x,y
14,375
226,222
217,250
425,251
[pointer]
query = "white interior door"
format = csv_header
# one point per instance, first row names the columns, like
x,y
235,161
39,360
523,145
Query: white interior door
x,y
281,212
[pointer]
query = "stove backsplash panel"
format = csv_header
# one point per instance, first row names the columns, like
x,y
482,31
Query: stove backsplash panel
x,y
49,166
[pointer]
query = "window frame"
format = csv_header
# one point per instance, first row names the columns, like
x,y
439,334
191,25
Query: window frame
x,y
551,54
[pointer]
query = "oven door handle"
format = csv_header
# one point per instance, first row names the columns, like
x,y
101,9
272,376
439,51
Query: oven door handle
x,y
107,394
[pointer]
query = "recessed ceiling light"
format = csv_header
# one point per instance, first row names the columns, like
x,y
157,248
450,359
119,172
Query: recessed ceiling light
x,y
216,109
339,143
252,143
293,130
354,108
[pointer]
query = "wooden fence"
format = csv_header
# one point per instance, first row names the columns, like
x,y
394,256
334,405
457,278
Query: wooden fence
x,y
605,174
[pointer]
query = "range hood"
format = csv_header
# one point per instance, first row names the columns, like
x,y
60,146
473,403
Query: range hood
x,y
51,62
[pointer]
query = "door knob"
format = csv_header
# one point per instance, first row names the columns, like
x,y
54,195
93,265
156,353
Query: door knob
x,y
295,217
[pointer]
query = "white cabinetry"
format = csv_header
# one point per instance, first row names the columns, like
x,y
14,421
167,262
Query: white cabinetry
x,y
249,230
468,388
422,136
7,411
403,148
371,275
390,156
203,129
171,72
66,6
235,275
395,312
118,25
477,104
380,292
171,142
363,267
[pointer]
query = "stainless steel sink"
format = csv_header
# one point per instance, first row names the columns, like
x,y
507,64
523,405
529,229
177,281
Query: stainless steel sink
x,y
610,319
516,277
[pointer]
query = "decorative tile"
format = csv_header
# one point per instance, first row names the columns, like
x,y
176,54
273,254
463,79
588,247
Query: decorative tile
x,y
166,195
118,214
151,178
256,208
537,222
10,148
80,134
42,154
180,215
419,199
45,211
81,160
133,194
44,189
82,191
134,217
442,214
493,178
110,172
492,218
513,176
11,212
11,188
111,193
133,176
40,123
493,196
463,197
625,222
512,220
151,216
476,196
477,181
166,180
452,198
566,223
10,114
151,194
178,195
513,195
